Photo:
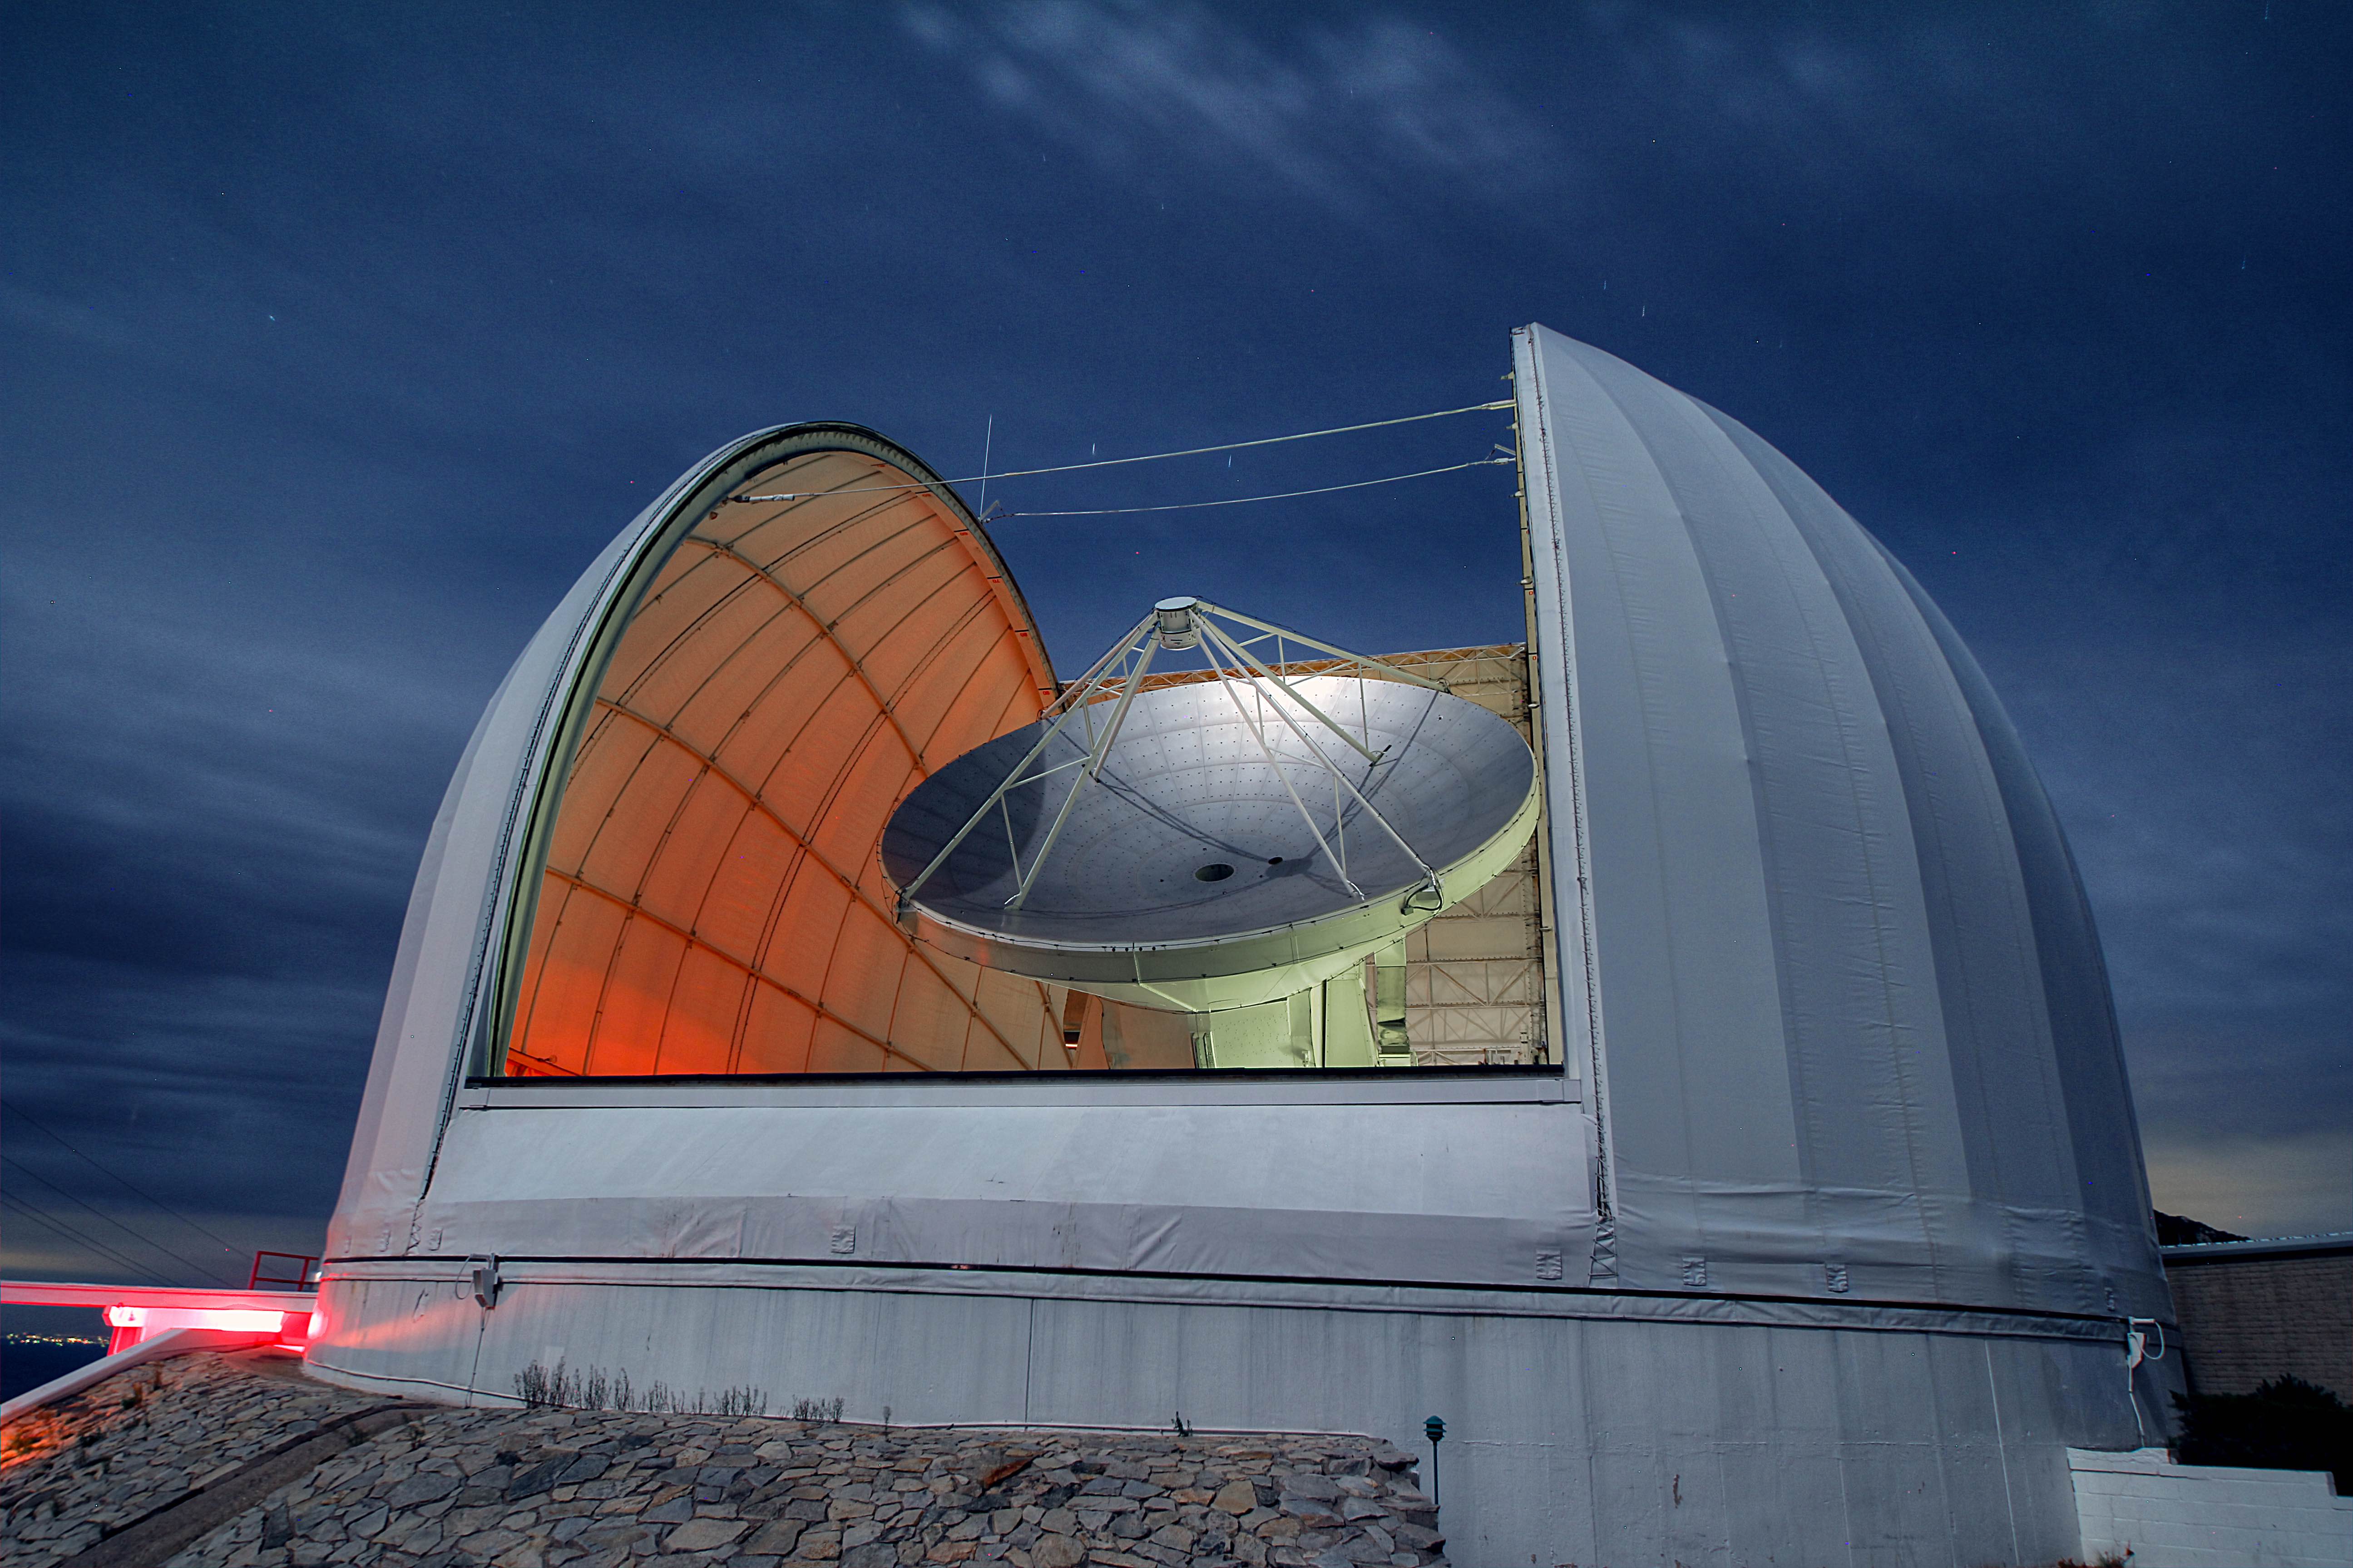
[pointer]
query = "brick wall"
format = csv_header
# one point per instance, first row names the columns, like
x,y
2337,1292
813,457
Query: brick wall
x,y
2244,1319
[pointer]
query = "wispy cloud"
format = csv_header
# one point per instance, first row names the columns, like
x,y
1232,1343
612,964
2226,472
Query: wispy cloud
x,y
66,319
2269,1186
204,884
1339,115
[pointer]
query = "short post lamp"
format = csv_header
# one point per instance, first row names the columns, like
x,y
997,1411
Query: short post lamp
x,y
1435,1430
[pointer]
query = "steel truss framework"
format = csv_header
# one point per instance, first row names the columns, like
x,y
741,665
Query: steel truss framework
x,y
1251,682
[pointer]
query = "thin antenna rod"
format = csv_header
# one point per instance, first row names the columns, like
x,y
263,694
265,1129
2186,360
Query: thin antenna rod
x,y
987,443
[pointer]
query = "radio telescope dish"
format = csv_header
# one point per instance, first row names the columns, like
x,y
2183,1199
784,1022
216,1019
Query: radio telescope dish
x,y
1220,842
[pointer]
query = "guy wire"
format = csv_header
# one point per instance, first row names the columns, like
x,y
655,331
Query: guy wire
x,y
1282,495
1148,458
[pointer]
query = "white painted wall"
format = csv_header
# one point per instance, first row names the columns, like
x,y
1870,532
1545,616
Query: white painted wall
x,y
2207,1516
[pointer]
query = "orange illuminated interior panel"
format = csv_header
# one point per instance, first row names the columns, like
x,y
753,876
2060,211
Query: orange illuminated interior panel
x,y
712,900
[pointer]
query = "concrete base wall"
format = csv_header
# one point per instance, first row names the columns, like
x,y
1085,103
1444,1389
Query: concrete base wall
x,y
1582,1428
2207,1516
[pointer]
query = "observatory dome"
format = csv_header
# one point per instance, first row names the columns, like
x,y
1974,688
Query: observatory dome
x,y
1806,1225
1848,1017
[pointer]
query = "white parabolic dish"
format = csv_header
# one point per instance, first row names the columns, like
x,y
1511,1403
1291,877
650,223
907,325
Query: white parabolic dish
x,y
1186,875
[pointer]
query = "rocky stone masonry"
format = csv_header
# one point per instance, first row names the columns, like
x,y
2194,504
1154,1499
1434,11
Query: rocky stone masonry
x,y
544,1489
72,1471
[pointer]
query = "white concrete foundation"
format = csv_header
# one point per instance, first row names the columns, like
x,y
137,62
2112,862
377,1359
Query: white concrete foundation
x,y
2207,1516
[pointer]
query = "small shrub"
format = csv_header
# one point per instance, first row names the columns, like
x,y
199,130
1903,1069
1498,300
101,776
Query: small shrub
x,y
538,1387
744,1401
817,1410
560,1388
2285,1424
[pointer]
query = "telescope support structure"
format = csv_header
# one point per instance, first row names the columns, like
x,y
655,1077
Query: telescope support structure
x,y
1254,687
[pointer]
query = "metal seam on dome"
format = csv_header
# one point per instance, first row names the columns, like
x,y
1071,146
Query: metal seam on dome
x,y
592,629
801,843
863,513
996,590
827,532
638,911
994,596
1532,406
824,808
825,633
786,883
1002,589
995,726
884,707
827,628
860,603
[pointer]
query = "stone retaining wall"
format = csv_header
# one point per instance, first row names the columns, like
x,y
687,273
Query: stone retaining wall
x,y
450,1488
73,1471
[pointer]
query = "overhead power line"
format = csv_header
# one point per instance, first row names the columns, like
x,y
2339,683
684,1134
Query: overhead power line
x,y
1146,457
138,1236
114,1175
97,1248
1278,494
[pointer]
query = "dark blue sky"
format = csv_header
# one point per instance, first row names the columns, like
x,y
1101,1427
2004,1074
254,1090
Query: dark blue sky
x,y
338,339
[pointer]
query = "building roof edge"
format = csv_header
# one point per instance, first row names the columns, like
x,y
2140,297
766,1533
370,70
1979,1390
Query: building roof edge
x,y
2258,1247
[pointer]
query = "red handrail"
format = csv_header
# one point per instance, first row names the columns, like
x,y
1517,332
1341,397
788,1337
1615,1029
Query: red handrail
x,y
306,1269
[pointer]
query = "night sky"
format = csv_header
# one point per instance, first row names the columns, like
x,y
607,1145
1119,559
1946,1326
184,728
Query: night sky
x,y
338,339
